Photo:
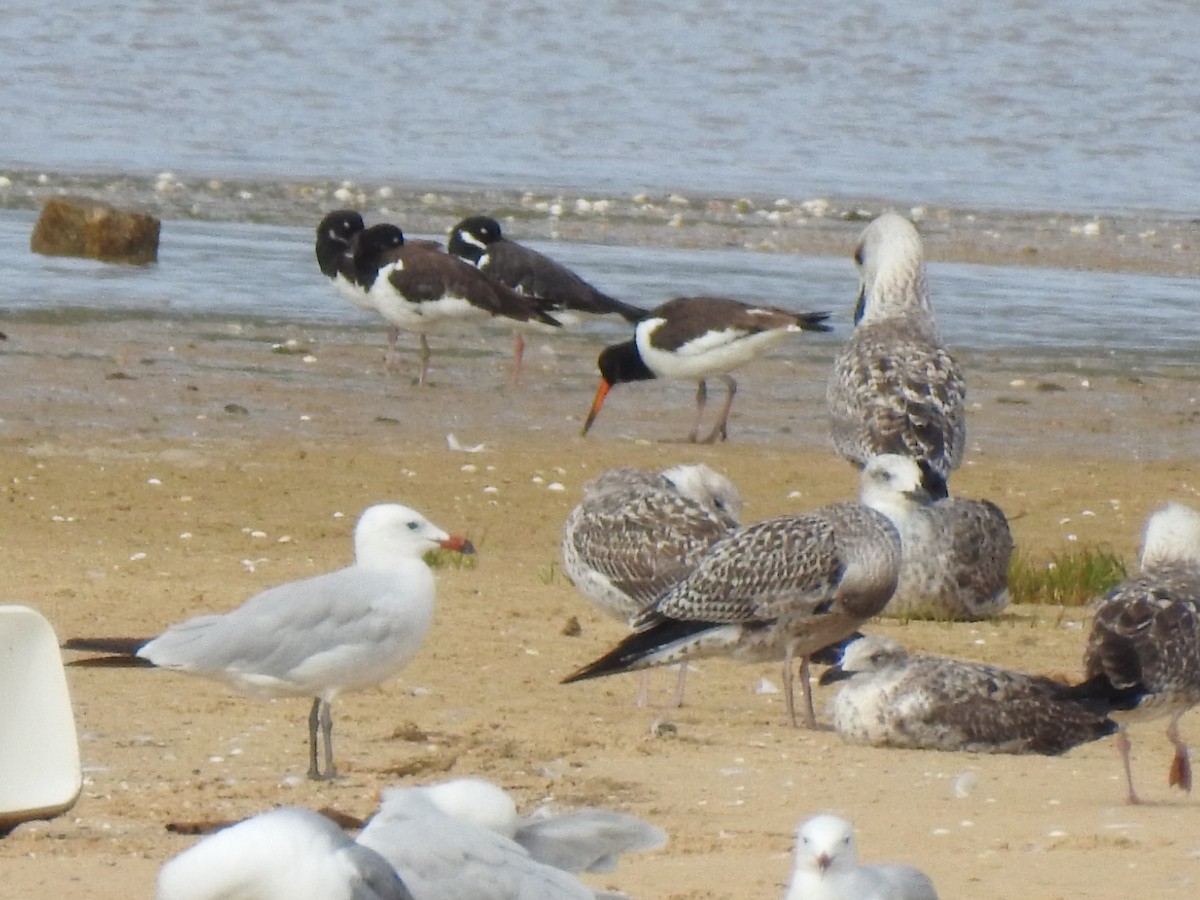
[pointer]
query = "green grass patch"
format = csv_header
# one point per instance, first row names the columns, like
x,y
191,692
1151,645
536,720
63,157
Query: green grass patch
x,y
1068,579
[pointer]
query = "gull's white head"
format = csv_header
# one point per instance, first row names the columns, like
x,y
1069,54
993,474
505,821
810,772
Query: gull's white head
x,y
825,844
1172,536
891,270
388,531
896,485
477,801
709,488
870,653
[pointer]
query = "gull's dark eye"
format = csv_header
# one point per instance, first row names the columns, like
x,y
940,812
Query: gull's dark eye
x,y
413,526
858,254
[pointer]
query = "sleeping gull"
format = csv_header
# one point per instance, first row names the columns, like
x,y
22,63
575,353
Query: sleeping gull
x,y
780,588
827,868
956,556
698,338
581,840
1146,633
317,637
442,856
636,533
893,699
280,855
894,388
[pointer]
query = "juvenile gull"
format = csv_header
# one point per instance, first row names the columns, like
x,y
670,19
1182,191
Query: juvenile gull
x,y
827,868
441,856
894,387
778,589
893,699
698,338
479,241
956,556
636,533
317,637
1146,633
581,840
419,288
280,855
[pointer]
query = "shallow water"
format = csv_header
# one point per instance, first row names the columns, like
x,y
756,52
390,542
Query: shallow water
x,y
228,270
1087,107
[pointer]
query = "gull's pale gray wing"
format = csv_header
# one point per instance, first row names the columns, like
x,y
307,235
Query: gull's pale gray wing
x,y
586,840
444,858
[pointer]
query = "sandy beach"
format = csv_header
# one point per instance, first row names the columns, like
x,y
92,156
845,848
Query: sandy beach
x,y
155,470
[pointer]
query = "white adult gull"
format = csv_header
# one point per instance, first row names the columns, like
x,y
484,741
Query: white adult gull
x,y
577,840
1146,635
440,855
890,698
317,637
894,387
636,533
781,588
280,855
698,338
956,554
827,868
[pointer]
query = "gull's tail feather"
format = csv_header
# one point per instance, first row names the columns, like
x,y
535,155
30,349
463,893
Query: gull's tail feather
x,y
119,652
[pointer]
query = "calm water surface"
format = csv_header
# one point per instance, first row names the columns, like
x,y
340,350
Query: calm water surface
x,y
1088,106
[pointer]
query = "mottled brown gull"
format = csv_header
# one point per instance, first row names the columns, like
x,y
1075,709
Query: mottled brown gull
x,y
1146,634
956,556
890,698
636,533
777,589
894,388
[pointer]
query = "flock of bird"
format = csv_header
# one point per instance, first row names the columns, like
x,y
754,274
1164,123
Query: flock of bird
x,y
667,553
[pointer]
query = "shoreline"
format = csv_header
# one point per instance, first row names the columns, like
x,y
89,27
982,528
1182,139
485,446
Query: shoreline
x,y
159,472
1135,242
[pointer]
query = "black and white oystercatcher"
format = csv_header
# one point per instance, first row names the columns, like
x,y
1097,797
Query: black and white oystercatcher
x,y
699,338
419,289
479,241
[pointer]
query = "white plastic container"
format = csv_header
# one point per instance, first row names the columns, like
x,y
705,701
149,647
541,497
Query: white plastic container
x,y
40,775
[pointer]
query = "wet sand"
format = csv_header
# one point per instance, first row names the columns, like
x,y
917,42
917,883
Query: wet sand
x,y
156,470
1147,242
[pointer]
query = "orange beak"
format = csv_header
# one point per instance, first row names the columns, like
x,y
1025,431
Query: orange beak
x,y
459,543
601,393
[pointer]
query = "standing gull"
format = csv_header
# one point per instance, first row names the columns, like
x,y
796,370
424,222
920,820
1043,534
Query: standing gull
x,y
441,856
637,533
778,589
317,637
479,241
698,338
894,388
1146,633
827,868
956,556
280,855
418,288
893,699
